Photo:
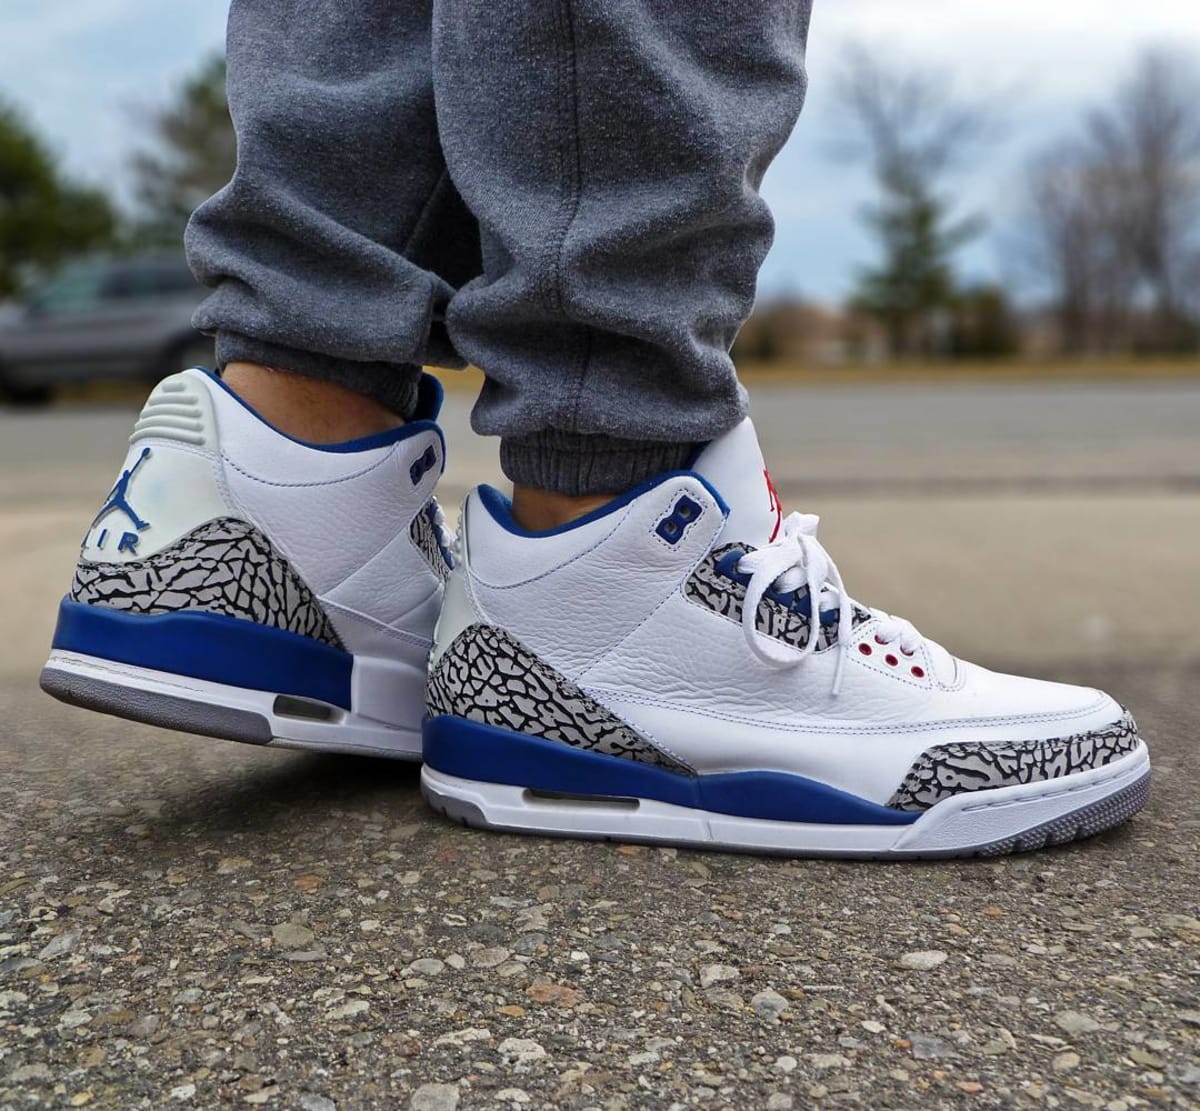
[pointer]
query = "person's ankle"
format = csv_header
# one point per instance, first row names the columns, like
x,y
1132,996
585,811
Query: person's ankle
x,y
540,510
308,408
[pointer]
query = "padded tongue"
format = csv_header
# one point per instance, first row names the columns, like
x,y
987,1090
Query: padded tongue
x,y
734,465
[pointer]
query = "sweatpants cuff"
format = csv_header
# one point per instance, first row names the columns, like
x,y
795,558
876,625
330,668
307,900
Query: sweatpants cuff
x,y
393,385
576,464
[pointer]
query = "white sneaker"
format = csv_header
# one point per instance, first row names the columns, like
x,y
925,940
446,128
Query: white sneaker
x,y
603,680
242,584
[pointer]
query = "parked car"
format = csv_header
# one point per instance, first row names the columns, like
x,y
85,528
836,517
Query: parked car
x,y
103,318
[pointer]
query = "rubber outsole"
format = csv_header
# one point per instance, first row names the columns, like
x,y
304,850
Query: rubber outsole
x,y
1087,821
1095,818
219,710
152,708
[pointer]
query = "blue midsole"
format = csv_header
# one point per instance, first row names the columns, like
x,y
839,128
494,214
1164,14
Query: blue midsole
x,y
209,646
485,753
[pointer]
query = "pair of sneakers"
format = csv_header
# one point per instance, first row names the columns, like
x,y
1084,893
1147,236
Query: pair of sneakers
x,y
682,665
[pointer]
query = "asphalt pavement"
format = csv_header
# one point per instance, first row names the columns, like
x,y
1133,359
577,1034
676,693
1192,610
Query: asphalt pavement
x,y
188,922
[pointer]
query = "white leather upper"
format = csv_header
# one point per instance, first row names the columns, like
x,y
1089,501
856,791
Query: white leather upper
x,y
341,518
605,605
532,584
176,485
734,465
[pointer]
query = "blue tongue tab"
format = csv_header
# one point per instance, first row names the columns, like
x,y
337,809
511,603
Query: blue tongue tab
x,y
733,463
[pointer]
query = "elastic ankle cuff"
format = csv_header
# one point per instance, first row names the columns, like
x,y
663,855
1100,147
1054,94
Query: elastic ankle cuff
x,y
576,464
391,384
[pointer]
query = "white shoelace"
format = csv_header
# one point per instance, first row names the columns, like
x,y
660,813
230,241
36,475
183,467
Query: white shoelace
x,y
795,559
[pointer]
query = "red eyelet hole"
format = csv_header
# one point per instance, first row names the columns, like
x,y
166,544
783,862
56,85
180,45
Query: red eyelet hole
x,y
879,639
891,660
919,672
865,649
906,652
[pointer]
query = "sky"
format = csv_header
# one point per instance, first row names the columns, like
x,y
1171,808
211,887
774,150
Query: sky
x,y
82,69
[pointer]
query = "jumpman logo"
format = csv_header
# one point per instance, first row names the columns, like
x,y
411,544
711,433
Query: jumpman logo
x,y
776,504
118,498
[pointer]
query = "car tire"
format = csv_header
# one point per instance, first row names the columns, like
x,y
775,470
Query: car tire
x,y
22,396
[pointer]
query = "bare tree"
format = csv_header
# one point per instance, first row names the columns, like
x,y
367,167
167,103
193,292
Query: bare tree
x,y
1148,140
1074,208
1116,214
912,129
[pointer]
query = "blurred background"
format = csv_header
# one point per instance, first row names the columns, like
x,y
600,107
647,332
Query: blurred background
x,y
976,354
976,346
1000,180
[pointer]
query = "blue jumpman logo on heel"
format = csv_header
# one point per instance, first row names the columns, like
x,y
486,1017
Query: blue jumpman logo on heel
x,y
118,497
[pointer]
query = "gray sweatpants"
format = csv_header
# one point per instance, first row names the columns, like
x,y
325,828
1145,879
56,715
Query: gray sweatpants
x,y
562,192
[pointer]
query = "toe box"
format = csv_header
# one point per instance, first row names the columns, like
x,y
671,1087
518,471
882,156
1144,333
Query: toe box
x,y
1018,731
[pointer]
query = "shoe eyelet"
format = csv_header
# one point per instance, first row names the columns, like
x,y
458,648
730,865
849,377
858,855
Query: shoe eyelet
x,y
906,652
890,660
919,672
865,649
879,639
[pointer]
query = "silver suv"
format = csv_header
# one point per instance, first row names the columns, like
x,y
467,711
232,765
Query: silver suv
x,y
104,318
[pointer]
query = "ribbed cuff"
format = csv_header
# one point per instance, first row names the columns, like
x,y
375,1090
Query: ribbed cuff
x,y
391,384
576,464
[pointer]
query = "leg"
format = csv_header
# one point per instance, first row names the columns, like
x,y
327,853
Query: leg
x,y
612,151
240,582
336,246
684,664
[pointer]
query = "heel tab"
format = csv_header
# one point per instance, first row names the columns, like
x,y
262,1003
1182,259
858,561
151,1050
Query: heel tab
x,y
170,481
459,608
179,408
458,612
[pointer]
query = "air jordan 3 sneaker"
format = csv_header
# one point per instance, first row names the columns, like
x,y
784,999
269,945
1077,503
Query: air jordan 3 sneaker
x,y
685,666
239,583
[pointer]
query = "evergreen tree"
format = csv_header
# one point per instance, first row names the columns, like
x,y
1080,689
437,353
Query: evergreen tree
x,y
45,217
914,279
912,131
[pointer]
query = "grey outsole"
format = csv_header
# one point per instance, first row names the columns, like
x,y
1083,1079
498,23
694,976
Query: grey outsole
x,y
168,711
1111,811
1087,821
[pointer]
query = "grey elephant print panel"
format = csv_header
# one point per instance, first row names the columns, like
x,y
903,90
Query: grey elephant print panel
x,y
487,676
224,566
950,769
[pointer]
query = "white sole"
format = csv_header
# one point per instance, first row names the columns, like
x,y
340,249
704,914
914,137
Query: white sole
x,y
238,713
984,823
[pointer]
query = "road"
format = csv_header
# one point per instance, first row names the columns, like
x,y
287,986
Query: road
x,y
196,922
